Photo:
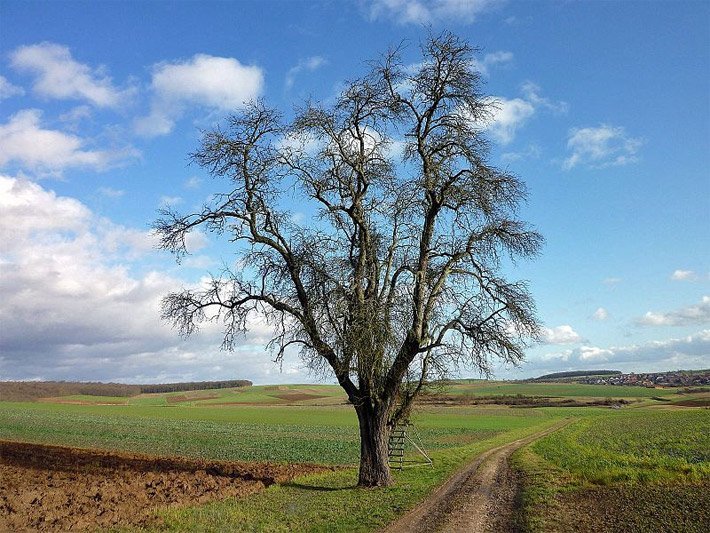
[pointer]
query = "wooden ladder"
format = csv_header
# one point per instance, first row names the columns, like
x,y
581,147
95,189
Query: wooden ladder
x,y
396,446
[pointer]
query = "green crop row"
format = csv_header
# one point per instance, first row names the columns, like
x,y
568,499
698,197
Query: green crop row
x,y
635,445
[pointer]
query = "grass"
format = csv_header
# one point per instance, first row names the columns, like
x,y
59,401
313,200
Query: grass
x,y
634,470
331,502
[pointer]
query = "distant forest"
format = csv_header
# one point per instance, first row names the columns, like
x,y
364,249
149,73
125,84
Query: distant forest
x,y
19,391
578,373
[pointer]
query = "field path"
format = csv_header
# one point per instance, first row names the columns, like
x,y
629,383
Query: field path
x,y
479,498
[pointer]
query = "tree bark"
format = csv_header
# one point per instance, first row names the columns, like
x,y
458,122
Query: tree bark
x,y
374,452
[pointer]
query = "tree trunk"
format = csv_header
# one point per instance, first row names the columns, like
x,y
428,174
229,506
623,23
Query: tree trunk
x,y
374,453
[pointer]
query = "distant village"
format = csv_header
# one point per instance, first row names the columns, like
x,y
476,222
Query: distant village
x,y
652,379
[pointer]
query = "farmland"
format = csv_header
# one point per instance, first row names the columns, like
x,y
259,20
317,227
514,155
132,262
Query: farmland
x,y
638,470
314,424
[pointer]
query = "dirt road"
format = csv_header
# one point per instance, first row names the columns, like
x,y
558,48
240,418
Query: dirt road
x,y
478,499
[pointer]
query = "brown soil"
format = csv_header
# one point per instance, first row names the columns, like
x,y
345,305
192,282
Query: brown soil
x,y
53,488
297,396
81,402
478,499
695,402
179,398
658,508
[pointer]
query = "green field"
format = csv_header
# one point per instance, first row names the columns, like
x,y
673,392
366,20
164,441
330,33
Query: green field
x,y
635,470
319,434
603,447
558,390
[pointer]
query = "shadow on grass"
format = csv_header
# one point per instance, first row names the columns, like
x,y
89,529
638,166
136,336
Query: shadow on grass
x,y
318,488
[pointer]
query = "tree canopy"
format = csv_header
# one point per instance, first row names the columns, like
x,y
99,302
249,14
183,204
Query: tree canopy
x,y
393,274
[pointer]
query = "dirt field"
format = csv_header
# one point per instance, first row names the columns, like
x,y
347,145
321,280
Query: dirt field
x,y
53,488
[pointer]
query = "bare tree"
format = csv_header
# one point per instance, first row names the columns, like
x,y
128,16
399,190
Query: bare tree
x,y
396,276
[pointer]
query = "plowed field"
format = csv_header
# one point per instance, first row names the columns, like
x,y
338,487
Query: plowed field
x,y
58,488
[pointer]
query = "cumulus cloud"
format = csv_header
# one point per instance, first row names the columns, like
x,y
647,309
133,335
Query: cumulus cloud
x,y
430,11
58,75
684,275
592,354
216,83
691,315
71,308
600,314
561,335
8,90
510,115
692,351
600,147
24,141
305,65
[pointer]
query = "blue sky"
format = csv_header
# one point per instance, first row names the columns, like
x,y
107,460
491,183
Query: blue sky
x,y
604,111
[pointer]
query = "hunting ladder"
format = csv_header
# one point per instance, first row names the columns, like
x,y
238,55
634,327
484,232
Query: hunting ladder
x,y
399,436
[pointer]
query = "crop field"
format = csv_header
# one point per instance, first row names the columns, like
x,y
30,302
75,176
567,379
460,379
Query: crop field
x,y
635,470
322,434
314,425
568,390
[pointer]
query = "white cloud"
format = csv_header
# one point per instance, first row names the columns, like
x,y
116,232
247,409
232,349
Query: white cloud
x,y
217,83
691,315
601,147
109,192
308,65
24,141
533,151
493,59
684,275
8,90
74,116
600,314
192,182
561,335
611,281
592,353
169,201
28,208
200,262
195,240
531,91
692,351
71,309
58,75
508,117
430,11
